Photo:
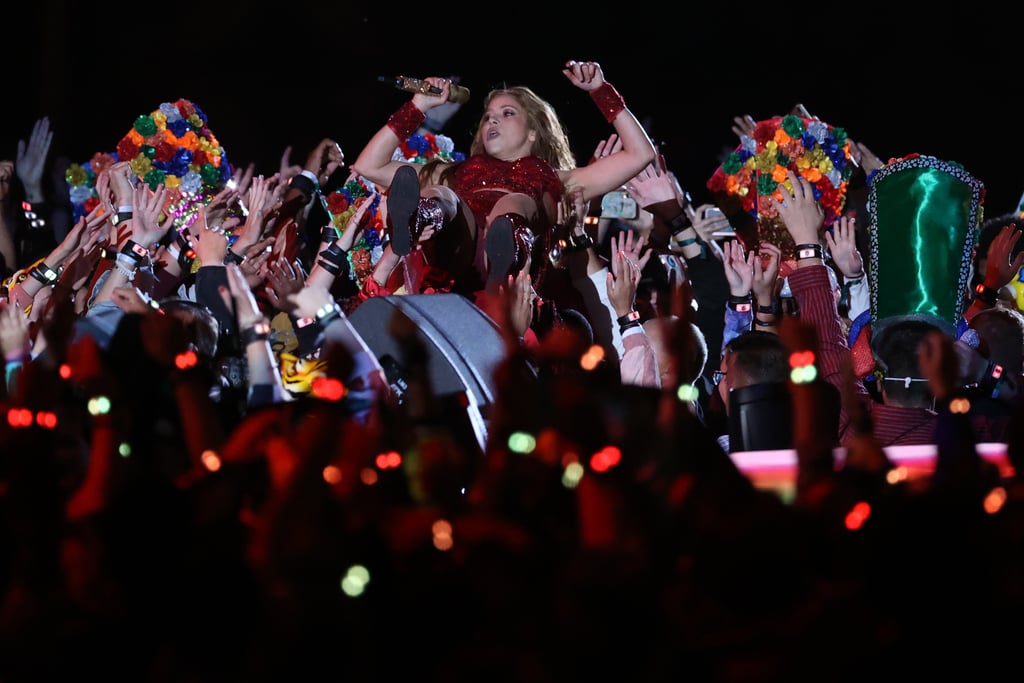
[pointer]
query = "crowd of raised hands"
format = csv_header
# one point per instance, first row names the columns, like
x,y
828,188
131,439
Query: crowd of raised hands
x,y
174,508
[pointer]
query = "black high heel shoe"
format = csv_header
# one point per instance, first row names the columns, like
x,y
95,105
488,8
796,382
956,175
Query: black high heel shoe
x,y
403,202
509,243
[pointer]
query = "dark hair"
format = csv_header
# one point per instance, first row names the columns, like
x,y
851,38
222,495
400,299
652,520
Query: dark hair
x,y
759,357
1001,334
204,330
895,350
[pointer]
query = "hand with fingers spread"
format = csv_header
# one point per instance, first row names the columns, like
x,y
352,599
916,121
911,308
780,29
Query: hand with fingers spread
x,y
651,186
211,244
766,274
606,147
739,267
864,157
999,269
634,246
260,200
255,265
624,274
519,296
842,246
147,229
15,339
799,210
743,125
31,160
284,278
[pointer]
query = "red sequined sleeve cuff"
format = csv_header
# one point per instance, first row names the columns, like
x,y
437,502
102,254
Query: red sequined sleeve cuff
x,y
406,120
608,100
371,289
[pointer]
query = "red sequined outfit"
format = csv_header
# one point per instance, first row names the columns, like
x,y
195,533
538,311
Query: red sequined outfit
x,y
481,180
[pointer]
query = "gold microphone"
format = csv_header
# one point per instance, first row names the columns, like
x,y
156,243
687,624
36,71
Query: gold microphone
x,y
457,94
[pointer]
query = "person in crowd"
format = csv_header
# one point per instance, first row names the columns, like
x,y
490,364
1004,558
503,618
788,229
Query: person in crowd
x,y
159,471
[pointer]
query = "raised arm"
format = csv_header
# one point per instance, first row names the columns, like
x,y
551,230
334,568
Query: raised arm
x,y
374,161
609,172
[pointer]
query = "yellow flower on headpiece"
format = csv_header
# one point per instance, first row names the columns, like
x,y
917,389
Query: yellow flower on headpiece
x,y
140,165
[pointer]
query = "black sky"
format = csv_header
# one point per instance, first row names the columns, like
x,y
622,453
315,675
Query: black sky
x,y
294,73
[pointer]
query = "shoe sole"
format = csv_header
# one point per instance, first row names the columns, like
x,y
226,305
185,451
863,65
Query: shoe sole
x,y
403,200
500,250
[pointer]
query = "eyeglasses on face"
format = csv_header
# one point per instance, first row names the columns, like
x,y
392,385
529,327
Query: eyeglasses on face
x,y
717,375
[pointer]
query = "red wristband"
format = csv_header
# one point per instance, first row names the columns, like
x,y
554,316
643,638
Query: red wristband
x,y
406,120
608,100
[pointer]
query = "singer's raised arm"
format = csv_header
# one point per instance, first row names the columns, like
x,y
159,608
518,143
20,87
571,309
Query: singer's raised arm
x,y
374,162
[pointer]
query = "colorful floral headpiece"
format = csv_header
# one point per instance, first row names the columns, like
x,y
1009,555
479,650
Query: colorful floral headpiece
x,y
172,145
340,204
421,148
750,175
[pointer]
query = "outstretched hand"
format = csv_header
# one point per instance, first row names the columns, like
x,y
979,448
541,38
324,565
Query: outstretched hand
x,y
799,210
999,270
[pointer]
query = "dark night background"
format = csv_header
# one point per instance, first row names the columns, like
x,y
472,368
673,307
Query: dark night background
x,y
293,73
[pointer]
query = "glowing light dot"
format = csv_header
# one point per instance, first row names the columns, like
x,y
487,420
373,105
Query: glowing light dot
x,y
368,476
98,405
571,475
995,500
801,358
332,474
605,459
186,360
803,375
46,419
394,459
592,358
441,526
124,449
896,475
65,371
687,392
352,588
521,442
358,572
857,515
210,460
328,389
959,406
444,543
